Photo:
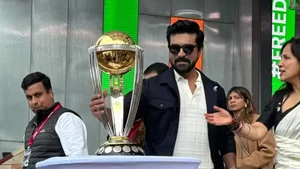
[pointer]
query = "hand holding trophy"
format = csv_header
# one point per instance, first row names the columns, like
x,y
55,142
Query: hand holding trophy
x,y
116,54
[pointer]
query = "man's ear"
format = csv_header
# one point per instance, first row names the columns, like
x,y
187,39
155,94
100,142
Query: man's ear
x,y
199,52
50,92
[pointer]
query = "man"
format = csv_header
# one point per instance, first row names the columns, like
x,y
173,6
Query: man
x,y
155,69
173,105
54,130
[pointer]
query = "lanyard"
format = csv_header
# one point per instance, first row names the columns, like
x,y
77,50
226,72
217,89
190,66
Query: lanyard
x,y
33,136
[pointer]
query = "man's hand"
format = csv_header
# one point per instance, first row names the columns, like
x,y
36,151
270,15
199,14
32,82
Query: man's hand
x,y
97,104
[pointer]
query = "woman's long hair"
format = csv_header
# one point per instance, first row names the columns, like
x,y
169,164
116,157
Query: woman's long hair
x,y
247,115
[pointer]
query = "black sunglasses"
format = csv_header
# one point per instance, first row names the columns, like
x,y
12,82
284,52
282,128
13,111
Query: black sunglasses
x,y
187,49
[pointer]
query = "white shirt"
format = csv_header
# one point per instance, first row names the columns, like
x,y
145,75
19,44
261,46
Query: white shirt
x,y
192,137
72,133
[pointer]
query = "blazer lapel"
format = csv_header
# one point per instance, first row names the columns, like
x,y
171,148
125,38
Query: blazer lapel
x,y
211,93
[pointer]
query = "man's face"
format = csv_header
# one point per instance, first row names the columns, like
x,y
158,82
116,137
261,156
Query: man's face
x,y
152,74
183,52
38,98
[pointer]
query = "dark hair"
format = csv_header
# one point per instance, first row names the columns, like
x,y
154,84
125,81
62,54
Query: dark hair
x,y
246,115
295,49
186,26
36,77
156,67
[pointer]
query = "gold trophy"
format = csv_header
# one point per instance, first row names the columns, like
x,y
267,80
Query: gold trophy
x,y
116,54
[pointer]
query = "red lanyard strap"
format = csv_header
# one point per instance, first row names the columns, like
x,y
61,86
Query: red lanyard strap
x,y
33,136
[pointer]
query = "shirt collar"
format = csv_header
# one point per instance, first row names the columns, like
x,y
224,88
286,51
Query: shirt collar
x,y
178,77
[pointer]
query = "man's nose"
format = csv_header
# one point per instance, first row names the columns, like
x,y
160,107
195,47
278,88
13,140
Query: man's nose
x,y
34,100
181,53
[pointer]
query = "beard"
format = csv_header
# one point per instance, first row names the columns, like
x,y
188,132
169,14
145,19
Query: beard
x,y
183,65
36,110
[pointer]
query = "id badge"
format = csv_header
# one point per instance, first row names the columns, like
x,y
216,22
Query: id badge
x,y
27,154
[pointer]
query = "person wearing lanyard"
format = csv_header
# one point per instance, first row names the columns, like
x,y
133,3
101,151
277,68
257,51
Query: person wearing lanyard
x,y
54,130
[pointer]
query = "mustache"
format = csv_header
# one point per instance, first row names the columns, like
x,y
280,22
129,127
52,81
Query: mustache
x,y
182,59
37,109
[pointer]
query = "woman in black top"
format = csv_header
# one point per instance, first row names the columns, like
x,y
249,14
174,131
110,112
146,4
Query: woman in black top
x,y
282,112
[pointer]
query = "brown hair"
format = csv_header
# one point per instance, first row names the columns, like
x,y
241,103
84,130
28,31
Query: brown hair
x,y
247,114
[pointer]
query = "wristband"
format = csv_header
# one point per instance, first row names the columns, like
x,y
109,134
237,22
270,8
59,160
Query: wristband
x,y
235,124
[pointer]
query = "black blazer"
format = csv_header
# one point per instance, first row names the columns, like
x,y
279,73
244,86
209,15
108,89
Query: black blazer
x,y
159,107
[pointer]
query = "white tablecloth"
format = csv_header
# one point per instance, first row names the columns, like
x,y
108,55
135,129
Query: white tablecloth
x,y
119,162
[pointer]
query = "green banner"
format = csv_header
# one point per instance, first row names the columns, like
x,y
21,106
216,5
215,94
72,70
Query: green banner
x,y
121,15
283,29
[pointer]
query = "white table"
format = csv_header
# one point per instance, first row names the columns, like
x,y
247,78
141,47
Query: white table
x,y
119,162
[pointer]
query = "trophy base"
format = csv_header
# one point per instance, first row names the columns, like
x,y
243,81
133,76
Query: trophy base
x,y
120,146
